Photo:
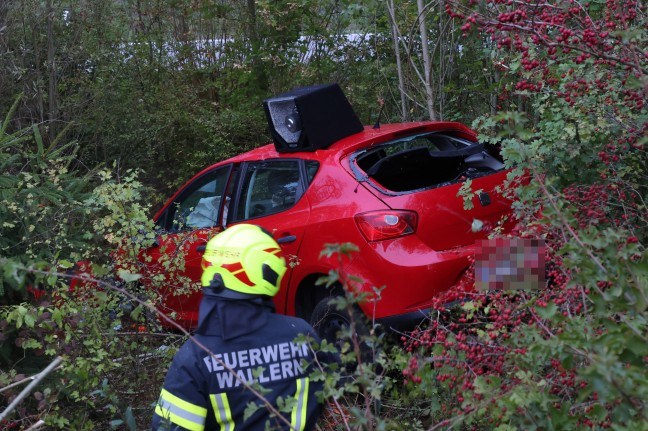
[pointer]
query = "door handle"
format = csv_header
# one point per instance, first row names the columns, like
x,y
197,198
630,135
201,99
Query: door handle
x,y
286,239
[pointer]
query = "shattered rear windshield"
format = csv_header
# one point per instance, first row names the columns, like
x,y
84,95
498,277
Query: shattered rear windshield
x,y
424,161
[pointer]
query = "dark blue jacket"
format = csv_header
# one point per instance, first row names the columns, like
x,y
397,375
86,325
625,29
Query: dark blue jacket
x,y
249,344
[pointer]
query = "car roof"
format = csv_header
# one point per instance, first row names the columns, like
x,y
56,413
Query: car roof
x,y
339,149
351,143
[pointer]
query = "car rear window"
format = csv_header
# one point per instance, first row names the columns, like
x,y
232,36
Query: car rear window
x,y
424,161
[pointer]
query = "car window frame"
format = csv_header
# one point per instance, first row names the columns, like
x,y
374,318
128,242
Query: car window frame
x,y
164,224
470,148
306,176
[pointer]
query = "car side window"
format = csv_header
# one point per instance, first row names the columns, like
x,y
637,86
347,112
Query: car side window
x,y
199,205
269,187
311,169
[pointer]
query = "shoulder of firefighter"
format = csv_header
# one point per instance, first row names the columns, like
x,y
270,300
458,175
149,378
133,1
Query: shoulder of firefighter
x,y
205,391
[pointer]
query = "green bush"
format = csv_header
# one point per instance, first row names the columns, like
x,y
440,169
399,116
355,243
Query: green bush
x,y
51,217
42,219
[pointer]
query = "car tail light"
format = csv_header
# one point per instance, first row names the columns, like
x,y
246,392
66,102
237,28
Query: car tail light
x,y
387,224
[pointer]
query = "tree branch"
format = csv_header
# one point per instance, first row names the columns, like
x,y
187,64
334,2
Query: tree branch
x,y
37,379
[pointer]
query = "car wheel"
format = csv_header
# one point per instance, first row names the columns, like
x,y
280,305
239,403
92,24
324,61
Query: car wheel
x,y
328,321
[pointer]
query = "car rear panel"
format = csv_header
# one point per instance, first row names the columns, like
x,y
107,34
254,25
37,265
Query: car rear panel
x,y
443,222
414,269
409,274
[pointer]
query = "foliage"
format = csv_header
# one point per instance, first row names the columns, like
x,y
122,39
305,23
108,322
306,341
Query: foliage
x,y
573,355
461,79
110,374
170,86
355,391
111,370
49,220
41,216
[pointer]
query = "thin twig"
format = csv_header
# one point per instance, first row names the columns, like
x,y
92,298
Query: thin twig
x,y
40,376
18,383
37,425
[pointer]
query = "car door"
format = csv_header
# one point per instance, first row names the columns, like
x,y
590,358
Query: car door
x,y
194,215
271,195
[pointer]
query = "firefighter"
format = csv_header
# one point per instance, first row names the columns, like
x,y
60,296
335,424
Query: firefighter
x,y
240,341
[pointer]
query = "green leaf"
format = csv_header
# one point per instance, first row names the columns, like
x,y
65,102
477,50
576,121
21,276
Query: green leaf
x,y
57,317
130,419
31,344
65,264
10,115
250,410
136,313
30,320
128,276
101,296
547,312
39,141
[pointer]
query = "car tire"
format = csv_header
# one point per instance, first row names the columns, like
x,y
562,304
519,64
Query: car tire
x,y
327,321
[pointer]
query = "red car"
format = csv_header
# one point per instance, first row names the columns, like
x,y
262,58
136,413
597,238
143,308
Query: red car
x,y
391,190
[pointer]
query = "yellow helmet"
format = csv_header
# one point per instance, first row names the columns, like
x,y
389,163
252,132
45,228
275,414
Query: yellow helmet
x,y
245,259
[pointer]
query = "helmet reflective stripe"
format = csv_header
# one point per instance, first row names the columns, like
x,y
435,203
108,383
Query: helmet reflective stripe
x,y
222,410
237,271
275,251
298,416
247,258
180,412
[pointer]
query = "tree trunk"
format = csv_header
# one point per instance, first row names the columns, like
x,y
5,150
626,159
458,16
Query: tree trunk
x,y
52,95
399,67
494,78
442,46
259,74
427,63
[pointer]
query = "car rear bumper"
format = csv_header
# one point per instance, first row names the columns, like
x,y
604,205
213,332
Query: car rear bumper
x,y
406,321
411,320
